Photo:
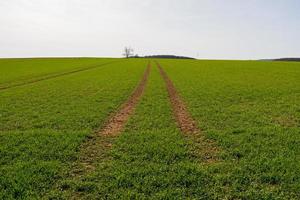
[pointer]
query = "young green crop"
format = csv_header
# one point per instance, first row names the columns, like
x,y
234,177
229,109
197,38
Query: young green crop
x,y
19,71
251,109
43,124
151,158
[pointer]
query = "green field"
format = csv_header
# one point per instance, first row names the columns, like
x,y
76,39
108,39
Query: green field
x,y
51,108
15,72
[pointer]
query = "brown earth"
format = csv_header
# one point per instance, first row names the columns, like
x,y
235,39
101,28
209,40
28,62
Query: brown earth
x,y
97,144
117,122
204,148
185,122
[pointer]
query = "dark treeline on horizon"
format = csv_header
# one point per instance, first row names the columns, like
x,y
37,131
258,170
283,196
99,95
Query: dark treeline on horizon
x,y
288,59
163,56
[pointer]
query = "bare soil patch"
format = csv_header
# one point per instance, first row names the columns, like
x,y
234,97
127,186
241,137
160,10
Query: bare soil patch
x,y
95,147
117,122
205,148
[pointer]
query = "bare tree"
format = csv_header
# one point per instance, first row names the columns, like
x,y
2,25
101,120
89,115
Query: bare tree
x,y
128,52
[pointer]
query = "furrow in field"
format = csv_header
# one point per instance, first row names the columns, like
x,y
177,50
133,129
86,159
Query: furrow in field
x,y
117,122
185,122
93,148
47,77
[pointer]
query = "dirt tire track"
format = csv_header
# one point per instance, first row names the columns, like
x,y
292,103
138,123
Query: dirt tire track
x,y
185,122
206,148
117,122
93,149
52,76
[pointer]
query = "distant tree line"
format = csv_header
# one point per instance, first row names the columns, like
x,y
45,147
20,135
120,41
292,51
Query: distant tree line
x,y
129,53
168,56
288,59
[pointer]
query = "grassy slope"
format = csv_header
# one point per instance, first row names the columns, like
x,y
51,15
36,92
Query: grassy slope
x,y
151,159
16,71
42,124
252,110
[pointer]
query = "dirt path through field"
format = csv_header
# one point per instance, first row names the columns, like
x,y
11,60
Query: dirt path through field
x,y
117,122
206,148
51,76
94,148
184,120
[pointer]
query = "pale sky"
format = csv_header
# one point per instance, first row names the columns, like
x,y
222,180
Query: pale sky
x,y
211,29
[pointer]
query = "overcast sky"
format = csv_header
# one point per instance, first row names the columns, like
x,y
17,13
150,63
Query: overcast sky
x,y
214,29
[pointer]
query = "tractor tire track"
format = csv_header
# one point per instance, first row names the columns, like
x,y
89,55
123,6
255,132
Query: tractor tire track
x,y
52,76
205,148
117,122
95,147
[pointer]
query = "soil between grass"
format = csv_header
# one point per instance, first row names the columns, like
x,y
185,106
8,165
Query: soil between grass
x,y
151,159
117,122
92,150
206,149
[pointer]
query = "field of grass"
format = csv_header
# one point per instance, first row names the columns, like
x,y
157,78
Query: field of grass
x,y
43,124
250,110
150,159
19,71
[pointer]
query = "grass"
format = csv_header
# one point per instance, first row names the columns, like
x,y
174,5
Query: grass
x,y
19,71
251,109
42,125
151,159
32,160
